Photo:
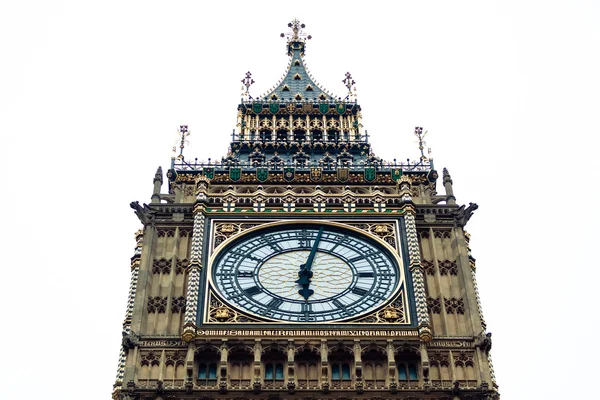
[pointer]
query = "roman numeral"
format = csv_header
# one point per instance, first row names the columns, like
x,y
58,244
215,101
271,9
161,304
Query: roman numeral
x,y
366,274
359,291
355,259
251,291
275,303
244,274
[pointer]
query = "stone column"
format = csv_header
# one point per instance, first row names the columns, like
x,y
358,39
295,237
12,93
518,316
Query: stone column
x,y
414,256
291,364
224,349
357,349
391,357
324,366
127,365
257,349
195,266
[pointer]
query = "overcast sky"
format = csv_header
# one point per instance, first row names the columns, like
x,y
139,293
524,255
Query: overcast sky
x,y
92,93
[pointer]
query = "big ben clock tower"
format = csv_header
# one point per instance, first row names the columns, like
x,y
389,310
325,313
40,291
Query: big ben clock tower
x,y
302,266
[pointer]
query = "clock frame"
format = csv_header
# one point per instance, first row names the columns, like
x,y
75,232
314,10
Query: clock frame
x,y
248,293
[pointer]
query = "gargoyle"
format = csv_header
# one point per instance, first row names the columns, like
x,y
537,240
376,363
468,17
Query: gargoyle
x,y
130,340
145,213
484,342
463,215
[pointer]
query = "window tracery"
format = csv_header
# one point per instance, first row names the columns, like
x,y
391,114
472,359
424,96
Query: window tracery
x,y
434,305
157,304
454,305
447,267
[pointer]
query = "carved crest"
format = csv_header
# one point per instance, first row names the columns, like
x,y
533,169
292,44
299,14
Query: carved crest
x,y
370,174
235,173
316,173
209,172
262,174
396,174
288,173
343,174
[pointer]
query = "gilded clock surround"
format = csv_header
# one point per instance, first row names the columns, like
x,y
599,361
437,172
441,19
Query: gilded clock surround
x,y
395,311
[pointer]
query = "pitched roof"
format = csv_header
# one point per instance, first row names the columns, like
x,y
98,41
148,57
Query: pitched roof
x,y
297,83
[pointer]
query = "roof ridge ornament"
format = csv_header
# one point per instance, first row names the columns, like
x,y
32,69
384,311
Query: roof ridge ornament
x,y
183,133
296,38
247,82
349,82
420,135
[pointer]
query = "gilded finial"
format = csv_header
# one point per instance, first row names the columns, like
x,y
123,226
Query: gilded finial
x,y
296,38
183,134
420,135
247,82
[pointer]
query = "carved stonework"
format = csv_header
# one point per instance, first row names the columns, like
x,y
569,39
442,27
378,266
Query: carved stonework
x,y
384,231
226,230
395,313
219,312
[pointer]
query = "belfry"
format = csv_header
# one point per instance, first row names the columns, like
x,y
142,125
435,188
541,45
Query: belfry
x,y
302,266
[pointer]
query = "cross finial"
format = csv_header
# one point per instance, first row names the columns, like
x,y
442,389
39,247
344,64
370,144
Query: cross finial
x,y
247,82
349,82
183,134
419,134
296,34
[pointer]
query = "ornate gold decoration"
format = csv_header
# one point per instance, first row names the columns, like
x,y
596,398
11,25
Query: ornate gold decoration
x,y
384,231
394,313
220,312
226,230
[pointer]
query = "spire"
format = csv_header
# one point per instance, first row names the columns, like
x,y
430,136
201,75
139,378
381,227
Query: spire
x,y
297,84
158,180
450,199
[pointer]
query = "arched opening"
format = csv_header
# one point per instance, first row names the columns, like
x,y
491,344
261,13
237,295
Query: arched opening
x,y
207,361
308,364
273,361
342,367
240,367
374,362
407,366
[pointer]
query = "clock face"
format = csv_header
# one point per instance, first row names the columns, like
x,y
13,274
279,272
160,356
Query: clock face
x,y
306,274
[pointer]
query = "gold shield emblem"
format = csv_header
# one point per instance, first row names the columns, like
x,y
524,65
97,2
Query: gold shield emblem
x,y
343,174
316,173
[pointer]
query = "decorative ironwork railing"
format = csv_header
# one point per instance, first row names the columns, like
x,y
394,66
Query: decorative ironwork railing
x,y
409,166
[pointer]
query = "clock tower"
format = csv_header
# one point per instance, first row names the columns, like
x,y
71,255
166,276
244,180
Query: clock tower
x,y
302,266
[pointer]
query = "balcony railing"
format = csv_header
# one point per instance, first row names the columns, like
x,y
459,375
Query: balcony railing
x,y
276,384
240,383
408,166
408,384
309,384
374,383
208,384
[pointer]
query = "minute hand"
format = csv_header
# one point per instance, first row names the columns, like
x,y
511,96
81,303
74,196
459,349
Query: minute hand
x,y
305,273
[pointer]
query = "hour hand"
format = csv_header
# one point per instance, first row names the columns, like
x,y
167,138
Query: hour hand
x,y
304,276
305,273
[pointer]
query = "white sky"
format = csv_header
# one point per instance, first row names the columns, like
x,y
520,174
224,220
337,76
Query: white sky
x,y
91,95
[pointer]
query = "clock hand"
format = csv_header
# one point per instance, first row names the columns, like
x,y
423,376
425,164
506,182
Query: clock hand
x,y
305,273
